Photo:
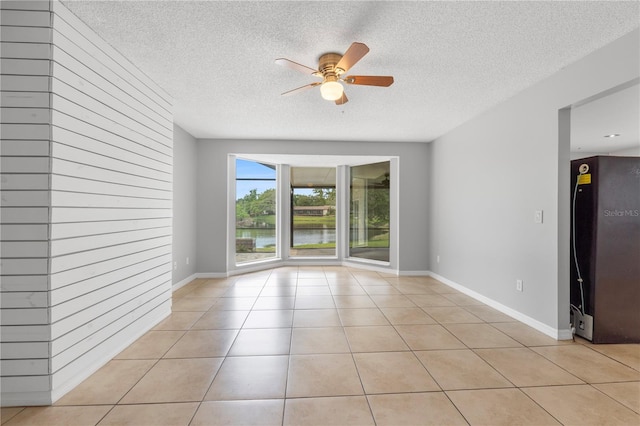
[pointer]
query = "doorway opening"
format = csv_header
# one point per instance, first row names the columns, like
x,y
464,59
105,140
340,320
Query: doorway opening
x,y
597,136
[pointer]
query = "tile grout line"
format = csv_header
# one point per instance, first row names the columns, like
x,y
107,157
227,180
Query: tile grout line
x,y
286,382
353,359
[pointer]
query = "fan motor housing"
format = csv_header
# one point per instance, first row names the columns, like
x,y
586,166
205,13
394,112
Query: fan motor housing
x,y
327,66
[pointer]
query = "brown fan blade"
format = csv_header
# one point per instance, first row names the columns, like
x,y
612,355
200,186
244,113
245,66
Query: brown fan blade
x,y
342,100
370,80
354,53
301,89
295,66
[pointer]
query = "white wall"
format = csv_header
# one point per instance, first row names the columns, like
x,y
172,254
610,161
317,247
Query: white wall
x,y
488,177
109,199
212,193
185,232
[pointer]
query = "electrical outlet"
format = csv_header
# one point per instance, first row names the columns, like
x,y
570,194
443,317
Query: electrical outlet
x,y
175,266
537,216
187,260
519,285
438,259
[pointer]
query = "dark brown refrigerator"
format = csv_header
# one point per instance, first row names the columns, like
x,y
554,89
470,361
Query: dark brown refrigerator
x,y
605,248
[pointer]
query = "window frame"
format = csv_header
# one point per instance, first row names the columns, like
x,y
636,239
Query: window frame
x,y
283,214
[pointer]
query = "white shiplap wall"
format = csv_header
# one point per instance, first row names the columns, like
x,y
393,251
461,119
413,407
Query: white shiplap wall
x,y
109,199
25,180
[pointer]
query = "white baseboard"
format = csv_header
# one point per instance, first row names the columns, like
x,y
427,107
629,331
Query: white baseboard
x,y
414,273
369,267
558,334
210,275
184,282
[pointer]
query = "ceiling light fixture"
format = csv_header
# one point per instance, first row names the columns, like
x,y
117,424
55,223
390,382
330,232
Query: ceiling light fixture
x,y
331,90
331,68
612,135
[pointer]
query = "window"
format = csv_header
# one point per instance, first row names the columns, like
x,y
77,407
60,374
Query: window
x,y
313,208
369,214
255,211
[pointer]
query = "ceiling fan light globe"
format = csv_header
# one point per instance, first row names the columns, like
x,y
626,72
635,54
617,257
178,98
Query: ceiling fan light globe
x,y
331,90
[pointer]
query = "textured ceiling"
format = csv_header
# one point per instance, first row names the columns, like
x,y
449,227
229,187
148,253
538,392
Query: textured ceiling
x,y
615,113
451,60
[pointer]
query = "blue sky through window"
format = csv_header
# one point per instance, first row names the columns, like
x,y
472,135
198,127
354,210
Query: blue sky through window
x,y
251,170
246,169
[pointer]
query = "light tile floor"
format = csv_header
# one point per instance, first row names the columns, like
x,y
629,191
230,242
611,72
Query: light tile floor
x,y
339,346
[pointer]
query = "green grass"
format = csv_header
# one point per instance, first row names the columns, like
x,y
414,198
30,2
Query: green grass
x,y
265,250
303,221
268,219
377,244
381,237
316,246
379,241
315,221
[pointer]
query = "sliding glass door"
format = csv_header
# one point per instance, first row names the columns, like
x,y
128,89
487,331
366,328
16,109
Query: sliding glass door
x,y
369,215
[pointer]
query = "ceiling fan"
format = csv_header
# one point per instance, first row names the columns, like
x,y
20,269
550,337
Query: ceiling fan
x,y
331,68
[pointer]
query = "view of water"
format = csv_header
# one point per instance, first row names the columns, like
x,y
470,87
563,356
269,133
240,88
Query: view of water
x,y
314,236
266,237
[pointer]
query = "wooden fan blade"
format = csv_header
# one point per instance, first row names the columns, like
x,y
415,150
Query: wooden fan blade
x,y
354,53
301,89
370,80
295,66
342,100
